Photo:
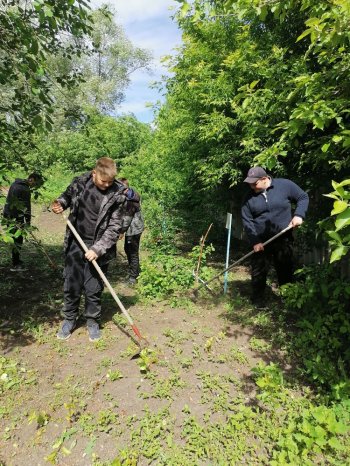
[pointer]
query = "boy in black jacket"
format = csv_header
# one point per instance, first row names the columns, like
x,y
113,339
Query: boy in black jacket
x,y
133,226
96,208
17,212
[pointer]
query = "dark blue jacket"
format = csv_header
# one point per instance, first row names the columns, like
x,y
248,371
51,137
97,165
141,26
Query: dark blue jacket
x,y
264,215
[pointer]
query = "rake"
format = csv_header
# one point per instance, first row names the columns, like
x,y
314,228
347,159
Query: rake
x,y
141,341
206,283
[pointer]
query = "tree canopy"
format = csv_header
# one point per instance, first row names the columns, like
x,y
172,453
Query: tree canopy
x,y
254,83
31,32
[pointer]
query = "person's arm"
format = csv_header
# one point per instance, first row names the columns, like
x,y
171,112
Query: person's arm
x,y
132,206
63,201
249,227
22,195
301,199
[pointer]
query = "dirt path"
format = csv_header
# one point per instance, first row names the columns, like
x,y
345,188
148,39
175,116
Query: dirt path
x,y
78,403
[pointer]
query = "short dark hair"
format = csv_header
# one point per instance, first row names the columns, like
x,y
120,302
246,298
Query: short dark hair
x,y
36,177
124,181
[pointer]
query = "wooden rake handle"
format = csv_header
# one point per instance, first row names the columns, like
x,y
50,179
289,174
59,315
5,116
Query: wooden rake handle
x,y
205,283
105,280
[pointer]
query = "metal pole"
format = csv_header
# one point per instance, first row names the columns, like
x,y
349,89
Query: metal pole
x,y
203,283
228,226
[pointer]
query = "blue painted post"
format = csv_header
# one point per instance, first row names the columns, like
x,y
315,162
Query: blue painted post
x,y
228,226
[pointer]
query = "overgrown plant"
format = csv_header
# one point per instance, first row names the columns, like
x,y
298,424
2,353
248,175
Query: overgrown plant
x,y
163,275
320,303
340,233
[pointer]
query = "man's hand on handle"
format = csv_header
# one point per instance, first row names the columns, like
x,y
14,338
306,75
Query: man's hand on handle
x,y
56,207
296,221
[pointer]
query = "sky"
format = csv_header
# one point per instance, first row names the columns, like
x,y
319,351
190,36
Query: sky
x,y
148,24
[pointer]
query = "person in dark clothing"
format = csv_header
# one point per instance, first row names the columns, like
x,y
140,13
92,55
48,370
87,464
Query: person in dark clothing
x,y
266,211
133,227
96,206
17,214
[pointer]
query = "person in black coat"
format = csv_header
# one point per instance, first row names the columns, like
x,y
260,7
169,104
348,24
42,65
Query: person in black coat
x,y
17,214
96,206
133,226
266,211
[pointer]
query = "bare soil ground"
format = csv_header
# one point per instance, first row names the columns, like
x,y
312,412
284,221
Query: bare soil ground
x,y
79,403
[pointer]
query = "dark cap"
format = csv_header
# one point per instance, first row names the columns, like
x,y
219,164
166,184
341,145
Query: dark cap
x,y
254,174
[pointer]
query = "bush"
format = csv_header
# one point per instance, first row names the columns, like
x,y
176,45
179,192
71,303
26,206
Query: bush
x,y
321,303
164,274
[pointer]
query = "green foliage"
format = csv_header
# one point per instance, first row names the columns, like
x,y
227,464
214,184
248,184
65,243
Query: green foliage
x,y
63,66
321,304
114,375
146,359
77,151
30,33
54,184
316,430
12,376
340,233
269,379
163,275
112,61
254,83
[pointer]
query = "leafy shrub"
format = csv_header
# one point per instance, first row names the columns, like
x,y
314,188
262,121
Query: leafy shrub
x,y
321,304
169,274
316,430
163,275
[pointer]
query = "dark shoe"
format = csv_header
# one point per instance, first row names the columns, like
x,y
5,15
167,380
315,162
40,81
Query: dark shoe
x,y
18,268
258,301
94,330
132,281
66,330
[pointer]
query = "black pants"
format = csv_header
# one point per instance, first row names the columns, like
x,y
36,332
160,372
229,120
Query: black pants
x,y
17,242
280,252
80,276
16,250
131,248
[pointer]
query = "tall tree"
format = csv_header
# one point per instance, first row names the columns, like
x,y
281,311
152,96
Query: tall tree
x,y
105,72
30,32
113,60
256,83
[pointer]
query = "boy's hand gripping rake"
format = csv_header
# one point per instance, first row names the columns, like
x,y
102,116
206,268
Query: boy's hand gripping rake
x,y
141,341
206,283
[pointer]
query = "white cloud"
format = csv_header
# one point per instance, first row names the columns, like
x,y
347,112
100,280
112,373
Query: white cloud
x,y
129,11
148,24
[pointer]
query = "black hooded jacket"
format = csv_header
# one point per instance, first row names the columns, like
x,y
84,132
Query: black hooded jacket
x,y
17,204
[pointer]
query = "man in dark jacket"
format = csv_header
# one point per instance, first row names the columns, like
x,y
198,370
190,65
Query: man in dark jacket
x,y
96,206
17,214
133,226
266,211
